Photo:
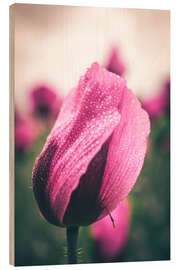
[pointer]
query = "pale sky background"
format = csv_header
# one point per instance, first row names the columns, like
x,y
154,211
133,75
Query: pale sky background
x,y
55,44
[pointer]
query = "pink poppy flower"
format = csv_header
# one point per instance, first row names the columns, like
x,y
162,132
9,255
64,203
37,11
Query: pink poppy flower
x,y
114,63
25,133
45,102
158,104
94,153
111,240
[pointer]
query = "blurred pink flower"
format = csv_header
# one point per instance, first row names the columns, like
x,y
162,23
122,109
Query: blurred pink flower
x,y
94,153
160,103
25,133
45,102
114,63
111,240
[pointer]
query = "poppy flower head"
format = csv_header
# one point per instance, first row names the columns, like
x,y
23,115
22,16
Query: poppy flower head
x,y
94,153
110,240
114,63
159,103
45,102
25,133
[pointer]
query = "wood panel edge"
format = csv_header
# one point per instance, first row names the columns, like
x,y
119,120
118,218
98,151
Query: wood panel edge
x,y
11,136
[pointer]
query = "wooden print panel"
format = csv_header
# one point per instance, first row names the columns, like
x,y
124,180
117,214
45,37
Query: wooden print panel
x,y
128,214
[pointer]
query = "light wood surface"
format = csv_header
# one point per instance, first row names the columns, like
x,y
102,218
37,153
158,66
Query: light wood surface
x,y
11,128
57,43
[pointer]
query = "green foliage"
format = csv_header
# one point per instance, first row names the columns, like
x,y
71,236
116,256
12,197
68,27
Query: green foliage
x,y
39,243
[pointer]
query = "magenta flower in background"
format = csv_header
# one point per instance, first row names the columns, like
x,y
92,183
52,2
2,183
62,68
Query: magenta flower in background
x,y
45,102
94,153
110,240
114,63
160,103
25,133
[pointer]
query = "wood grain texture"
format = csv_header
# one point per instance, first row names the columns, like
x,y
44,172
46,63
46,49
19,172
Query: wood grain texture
x,y
56,44
11,128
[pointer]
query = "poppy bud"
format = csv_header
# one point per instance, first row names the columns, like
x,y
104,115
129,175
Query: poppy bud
x,y
94,153
159,103
114,63
45,102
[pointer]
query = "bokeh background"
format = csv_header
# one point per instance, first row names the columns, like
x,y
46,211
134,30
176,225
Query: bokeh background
x,y
54,45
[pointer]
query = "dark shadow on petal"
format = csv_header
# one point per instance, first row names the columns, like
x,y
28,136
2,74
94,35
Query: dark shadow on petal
x,y
41,175
84,206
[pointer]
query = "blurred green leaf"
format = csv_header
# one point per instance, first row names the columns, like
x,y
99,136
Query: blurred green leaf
x,y
39,243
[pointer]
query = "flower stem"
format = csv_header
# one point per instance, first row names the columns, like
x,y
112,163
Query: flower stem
x,y
72,236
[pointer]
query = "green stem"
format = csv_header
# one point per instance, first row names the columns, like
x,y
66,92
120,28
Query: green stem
x,y
72,236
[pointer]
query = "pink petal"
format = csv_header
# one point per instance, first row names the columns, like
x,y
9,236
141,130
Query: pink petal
x,y
87,119
126,152
159,103
115,63
111,240
84,206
